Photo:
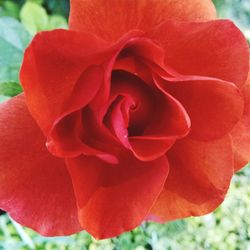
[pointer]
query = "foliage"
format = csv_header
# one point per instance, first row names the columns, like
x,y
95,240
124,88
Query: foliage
x,y
19,21
13,40
12,8
35,18
236,10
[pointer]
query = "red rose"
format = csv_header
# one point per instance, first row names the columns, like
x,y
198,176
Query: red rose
x,y
128,116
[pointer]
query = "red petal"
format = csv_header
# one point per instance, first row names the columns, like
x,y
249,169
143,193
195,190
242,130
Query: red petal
x,y
170,121
148,149
144,148
115,199
36,188
113,18
134,65
241,133
215,49
240,160
53,64
214,106
97,136
64,139
199,177
154,123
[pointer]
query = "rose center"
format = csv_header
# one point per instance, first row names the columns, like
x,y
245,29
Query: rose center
x,y
133,101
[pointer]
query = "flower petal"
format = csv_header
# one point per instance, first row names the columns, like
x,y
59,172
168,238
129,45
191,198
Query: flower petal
x,y
143,118
170,121
240,160
215,49
110,19
148,149
53,64
64,139
114,199
214,106
36,189
199,177
241,133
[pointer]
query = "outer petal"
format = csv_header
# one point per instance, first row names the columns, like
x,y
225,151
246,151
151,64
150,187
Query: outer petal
x,y
36,188
53,64
65,137
240,160
199,177
215,49
110,19
114,199
214,106
241,133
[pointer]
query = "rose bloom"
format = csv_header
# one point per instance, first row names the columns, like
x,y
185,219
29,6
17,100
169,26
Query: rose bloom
x,y
139,112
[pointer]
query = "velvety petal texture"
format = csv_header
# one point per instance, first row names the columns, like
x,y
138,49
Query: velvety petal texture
x,y
202,47
214,106
240,134
197,181
53,68
36,188
111,19
114,199
138,129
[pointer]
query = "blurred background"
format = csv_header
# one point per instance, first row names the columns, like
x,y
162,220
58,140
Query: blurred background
x,y
228,228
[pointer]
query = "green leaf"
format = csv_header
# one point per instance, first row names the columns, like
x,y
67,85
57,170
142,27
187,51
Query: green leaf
x,y
10,89
13,40
56,22
8,8
4,98
34,17
58,6
40,2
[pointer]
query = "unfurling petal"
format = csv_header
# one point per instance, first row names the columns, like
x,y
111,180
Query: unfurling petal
x,y
214,106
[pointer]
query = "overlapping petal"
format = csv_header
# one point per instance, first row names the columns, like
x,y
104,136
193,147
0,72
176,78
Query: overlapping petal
x,y
115,199
214,106
65,139
53,64
197,181
133,117
215,49
241,132
36,188
110,19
